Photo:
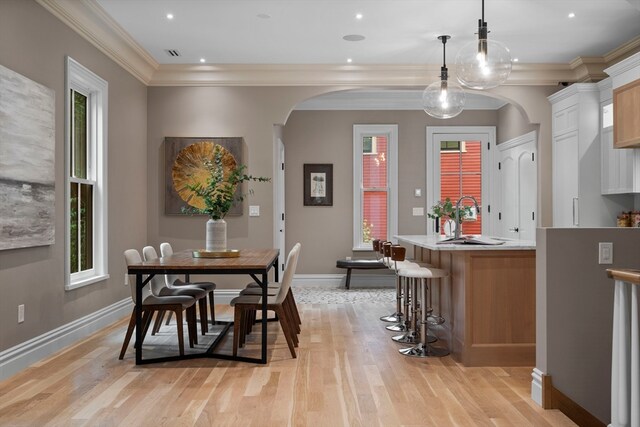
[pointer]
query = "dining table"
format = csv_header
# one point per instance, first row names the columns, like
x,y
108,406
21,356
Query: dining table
x,y
253,262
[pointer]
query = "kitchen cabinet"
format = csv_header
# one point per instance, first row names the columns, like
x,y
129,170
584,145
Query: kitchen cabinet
x,y
620,169
626,102
577,199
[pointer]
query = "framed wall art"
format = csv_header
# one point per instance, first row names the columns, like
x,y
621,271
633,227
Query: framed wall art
x,y
318,184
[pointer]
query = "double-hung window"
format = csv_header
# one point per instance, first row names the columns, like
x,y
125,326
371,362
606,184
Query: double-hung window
x,y
375,178
86,177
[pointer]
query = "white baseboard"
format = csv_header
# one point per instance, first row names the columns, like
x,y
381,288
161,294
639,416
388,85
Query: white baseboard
x,y
338,280
536,386
224,296
19,357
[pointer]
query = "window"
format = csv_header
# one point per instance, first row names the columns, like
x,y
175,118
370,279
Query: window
x,y
453,146
86,184
375,177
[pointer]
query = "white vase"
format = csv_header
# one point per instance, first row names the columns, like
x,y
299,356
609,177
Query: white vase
x,y
216,235
449,228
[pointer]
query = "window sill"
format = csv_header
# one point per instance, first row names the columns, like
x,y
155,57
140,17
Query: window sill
x,y
362,249
86,282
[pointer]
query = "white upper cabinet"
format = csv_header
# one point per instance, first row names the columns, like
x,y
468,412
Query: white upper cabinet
x,y
577,199
620,168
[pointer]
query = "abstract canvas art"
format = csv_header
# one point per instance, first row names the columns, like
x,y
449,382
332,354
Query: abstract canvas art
x,y
173,203
27,162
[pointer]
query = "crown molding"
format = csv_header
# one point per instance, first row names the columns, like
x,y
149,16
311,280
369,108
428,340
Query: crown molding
x,y
338,75
89,19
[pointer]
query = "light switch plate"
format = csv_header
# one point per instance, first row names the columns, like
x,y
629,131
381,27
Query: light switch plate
x,y
418,211
605,253
417,192
254,210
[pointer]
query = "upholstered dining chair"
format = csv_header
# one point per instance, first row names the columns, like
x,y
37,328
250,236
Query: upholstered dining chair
x,y
245,307
152,303
173,280
160,288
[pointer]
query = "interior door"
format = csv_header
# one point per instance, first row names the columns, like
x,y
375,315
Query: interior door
x,y
280,220
517,171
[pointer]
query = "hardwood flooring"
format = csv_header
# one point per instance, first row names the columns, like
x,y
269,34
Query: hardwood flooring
x,y
348,373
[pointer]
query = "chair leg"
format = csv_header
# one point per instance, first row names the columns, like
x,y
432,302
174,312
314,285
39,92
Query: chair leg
x,y
158,322
169,318
202,303
191,325
295,307
286,329
180,333
236,328
147,315
127,336
212,307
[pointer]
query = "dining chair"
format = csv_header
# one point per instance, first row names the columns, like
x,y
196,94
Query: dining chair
x,y
245,307
152,304
173,280
159,288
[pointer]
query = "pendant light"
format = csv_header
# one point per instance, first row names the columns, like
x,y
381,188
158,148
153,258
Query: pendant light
x,y
443,99
483,64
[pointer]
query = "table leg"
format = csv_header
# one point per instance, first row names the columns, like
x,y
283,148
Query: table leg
x,y
265,285
138,309
276,270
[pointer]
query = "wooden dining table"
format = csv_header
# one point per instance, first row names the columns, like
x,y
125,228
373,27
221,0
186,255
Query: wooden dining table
x,y
253,262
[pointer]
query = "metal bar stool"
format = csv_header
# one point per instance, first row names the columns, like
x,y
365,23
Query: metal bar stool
x,y
395,265
423,275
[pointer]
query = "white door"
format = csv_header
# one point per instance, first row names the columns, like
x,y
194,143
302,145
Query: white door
x,y
565,180
280,217
517,183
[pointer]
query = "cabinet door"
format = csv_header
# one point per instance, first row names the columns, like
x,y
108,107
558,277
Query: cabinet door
x,y
565,180
626,113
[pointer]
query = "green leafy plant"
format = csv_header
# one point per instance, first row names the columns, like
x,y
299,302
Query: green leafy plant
x,y
446,209
366,231
219,193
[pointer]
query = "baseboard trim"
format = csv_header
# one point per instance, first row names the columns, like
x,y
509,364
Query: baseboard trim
x,y
553,398
21,356
338,280
224,296
536,386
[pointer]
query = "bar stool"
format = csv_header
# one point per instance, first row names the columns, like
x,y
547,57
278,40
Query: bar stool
x,y
423,275
396,265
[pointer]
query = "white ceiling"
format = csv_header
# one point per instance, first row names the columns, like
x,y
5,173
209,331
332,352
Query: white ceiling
x,y
396,31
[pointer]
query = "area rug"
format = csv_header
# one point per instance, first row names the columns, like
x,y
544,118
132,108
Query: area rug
x,y
305,294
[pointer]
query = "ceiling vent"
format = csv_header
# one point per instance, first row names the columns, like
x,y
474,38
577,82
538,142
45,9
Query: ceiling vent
x,y
172,52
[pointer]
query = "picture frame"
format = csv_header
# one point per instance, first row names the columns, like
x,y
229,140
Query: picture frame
x,y
318,184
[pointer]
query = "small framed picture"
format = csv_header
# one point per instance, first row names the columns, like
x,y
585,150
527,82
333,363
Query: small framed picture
x,y
318,184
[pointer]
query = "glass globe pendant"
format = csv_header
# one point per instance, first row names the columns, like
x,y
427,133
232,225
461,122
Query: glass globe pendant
x,y
443,99
483,64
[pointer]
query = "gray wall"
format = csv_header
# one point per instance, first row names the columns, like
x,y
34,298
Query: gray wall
x,y
326,233
34,43
574,311
511,124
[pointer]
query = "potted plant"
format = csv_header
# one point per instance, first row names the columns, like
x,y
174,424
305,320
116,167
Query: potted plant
x,y
217,194
446,210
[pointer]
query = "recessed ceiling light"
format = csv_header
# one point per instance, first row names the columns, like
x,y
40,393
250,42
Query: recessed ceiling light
x,y
169,16
349,60
263,16
358,16
353,37
203,60
572,15
515,60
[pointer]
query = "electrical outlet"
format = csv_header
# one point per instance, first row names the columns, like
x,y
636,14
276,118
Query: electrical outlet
x,y
254,210
21,313
605,253
417,192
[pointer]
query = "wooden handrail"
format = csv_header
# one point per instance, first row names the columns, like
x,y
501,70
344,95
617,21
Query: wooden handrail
x,y
625,274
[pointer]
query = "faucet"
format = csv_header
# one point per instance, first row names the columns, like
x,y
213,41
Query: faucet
x,y
458,222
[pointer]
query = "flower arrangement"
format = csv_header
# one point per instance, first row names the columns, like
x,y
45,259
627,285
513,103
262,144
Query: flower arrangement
x,y
219,191
446,209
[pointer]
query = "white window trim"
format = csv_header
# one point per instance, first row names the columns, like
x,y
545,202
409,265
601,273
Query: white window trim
x,y
82,80
488,178
359,131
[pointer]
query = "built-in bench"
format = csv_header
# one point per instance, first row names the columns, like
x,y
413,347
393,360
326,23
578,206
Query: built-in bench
x,y
358,264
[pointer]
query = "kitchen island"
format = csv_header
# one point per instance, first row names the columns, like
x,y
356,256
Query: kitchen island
x,y
488,300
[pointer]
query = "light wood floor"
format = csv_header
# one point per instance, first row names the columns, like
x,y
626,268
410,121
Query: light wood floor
x,y
348,373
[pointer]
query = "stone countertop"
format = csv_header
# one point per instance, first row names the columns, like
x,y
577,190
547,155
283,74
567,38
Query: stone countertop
x,y
431,242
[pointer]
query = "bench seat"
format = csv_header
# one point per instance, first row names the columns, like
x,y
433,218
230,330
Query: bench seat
x,y
358,264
